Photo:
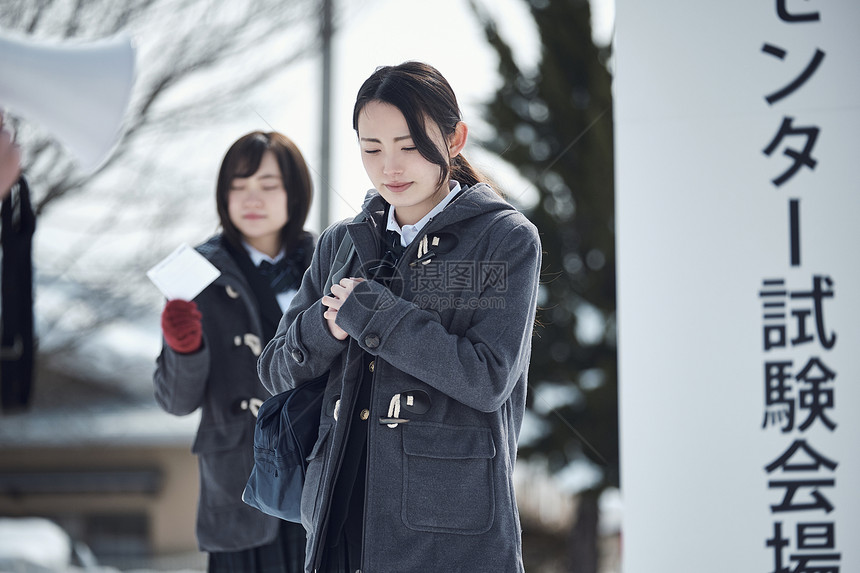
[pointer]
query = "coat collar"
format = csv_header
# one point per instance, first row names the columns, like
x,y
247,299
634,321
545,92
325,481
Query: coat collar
x,y
470,202
456,219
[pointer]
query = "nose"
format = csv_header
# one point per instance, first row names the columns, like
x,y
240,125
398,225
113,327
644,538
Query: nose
x,y
253,195
392,166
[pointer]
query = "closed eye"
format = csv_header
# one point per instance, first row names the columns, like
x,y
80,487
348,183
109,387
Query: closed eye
x,y
371,151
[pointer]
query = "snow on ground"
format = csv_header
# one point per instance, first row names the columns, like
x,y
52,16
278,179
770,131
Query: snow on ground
x,y
36,545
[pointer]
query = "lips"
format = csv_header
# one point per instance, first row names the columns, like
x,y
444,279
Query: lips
x,y
253,216
397,187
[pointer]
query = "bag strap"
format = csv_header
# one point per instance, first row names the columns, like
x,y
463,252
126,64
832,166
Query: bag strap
x,y
345,252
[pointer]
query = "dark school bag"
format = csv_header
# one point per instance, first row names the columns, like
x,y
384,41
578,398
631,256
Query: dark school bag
x,y
286,429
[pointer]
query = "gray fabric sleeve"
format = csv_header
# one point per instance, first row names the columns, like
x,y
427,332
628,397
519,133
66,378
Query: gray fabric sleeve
x,y
303,348
479,368
180,379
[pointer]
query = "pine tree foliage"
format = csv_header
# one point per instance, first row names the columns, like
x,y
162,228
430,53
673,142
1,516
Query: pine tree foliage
x,y
554,124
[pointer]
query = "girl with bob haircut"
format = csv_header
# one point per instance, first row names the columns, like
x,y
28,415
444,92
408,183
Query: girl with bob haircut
x,y
427,346
211,344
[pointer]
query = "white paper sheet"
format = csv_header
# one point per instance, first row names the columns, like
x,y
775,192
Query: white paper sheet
x,y
183,274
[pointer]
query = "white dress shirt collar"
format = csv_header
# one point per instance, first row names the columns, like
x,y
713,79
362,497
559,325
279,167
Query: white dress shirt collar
x,y
258,257
409,232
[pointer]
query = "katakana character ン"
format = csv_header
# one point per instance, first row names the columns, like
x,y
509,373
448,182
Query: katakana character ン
x,y
814,461
800,158
778,401
795,84
787,16
817,294
816,399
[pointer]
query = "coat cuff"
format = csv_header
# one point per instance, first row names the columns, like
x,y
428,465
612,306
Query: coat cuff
x,y
371,312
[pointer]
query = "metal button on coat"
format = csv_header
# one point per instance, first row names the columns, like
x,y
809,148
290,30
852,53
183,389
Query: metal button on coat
x,y
364,414
371,341
372,365
297,355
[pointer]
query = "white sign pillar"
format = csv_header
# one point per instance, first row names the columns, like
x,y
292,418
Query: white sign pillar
x,y
738,229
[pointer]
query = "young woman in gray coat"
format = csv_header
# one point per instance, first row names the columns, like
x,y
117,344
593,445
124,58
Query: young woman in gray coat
x,y
211,345
427,346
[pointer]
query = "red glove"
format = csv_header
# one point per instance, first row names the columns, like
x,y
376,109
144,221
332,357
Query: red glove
x,y
180,322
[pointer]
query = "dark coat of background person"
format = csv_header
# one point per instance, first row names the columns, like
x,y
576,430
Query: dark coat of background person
x,y
221,372
17,352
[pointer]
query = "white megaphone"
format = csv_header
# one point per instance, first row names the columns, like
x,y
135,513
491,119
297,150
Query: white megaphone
x,y
77,92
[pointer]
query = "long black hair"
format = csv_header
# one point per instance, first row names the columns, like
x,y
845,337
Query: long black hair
x,y
243,160
421,93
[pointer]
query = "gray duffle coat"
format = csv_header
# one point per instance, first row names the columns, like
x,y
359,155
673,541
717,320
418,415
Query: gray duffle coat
x,y
221,380
450,341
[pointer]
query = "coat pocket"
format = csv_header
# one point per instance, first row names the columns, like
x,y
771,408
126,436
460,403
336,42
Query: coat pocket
x,y
313,478
448,478
225,456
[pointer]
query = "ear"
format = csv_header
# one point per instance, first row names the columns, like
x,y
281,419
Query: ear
x,y
457,140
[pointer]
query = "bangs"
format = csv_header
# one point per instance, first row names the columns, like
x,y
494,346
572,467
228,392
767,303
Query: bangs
x,y
247,157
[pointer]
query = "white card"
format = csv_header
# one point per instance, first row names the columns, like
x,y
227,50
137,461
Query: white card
x,y
183,274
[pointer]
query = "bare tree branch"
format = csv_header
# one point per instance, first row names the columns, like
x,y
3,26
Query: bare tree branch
x,y
196,60
203,35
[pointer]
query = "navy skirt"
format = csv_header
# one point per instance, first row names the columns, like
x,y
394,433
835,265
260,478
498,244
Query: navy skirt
x,y
286,554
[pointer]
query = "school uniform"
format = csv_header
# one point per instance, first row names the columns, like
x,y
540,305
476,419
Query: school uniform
x,y
433,381
240,312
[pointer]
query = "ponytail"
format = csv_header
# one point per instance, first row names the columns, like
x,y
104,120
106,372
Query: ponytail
x,y
463,172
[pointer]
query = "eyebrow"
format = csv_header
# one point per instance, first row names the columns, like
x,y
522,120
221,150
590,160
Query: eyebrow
x,y
374,140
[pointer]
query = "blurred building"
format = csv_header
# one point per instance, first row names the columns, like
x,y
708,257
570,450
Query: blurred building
x,y
103,462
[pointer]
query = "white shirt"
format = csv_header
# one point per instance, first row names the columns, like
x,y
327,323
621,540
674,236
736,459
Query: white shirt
x,y
409,232
257,257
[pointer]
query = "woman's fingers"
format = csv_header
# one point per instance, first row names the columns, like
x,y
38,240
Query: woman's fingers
x,y
339,293
343,289
336,331
331,302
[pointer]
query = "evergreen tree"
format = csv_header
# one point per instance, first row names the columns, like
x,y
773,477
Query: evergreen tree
x,y
554,124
